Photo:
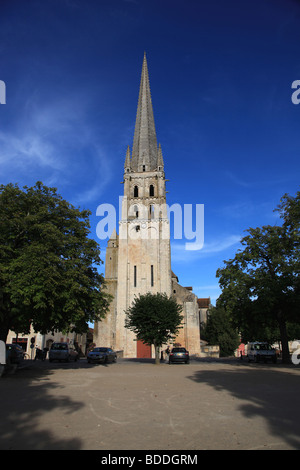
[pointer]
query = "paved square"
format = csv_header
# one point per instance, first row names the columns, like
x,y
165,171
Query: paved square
x,y
132,405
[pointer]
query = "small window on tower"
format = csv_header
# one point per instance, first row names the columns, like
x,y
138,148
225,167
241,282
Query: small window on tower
x,y
144,168
151,190
134,276
152,276
136,191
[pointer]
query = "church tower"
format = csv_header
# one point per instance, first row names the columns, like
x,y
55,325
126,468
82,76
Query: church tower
x,y
144,263
138,259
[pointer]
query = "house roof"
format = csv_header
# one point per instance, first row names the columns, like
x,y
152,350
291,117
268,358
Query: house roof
x,y
204,302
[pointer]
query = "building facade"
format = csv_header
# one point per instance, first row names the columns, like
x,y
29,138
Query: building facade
x,y
138,258
30,342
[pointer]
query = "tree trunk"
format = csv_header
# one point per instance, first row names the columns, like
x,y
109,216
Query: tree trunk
x,y
284,338
3,333
157,354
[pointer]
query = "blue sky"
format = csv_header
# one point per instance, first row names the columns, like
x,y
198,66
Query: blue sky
x,y
220,75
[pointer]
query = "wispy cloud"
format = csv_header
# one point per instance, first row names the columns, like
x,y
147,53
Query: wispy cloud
x,y
217,246
237,180
246,209
209,287
56,143
27,149
179,253
99,178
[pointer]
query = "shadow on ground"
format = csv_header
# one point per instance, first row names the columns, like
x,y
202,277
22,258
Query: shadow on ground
x,y
23,400
269,393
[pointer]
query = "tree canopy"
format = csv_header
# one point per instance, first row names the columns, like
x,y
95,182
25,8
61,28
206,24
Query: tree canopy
x,y
261,284
155,319
49,266
218,330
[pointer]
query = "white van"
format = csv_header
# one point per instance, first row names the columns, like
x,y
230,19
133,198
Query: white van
x,y
258,351
63,352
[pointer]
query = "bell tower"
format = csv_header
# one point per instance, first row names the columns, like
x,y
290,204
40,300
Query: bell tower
x,y
144,259
138,258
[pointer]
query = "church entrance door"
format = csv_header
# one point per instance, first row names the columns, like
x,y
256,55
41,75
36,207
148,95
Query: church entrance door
x,y
143,350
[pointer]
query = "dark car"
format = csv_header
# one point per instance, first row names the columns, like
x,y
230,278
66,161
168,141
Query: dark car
x,y
179,355
14,354
95,355
102,355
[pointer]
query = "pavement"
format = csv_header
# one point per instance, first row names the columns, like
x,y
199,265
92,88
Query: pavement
x,y
137,405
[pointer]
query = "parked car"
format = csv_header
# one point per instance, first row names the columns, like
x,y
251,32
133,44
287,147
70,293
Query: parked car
x,y
179,355
110,355
14,354
95,355
63,352
259,351
102,355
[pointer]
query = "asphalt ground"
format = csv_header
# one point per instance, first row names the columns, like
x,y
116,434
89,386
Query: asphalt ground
x,y
137,405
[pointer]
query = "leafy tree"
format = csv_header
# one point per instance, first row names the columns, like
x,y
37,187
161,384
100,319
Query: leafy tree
x,y
218,330
261,284
289,210
155,319
48,266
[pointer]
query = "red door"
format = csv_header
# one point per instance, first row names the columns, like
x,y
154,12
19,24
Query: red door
x,y
143,350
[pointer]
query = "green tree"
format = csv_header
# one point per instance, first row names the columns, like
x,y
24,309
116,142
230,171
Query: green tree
x,y
155,319
289,210
219,330
49,266
261,284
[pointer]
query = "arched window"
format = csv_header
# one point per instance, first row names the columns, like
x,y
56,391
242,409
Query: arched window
x,y
151,190
136,211
136,191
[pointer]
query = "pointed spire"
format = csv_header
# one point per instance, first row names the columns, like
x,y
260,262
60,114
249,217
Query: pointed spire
x,y
160,160
127,164
114,235
144,151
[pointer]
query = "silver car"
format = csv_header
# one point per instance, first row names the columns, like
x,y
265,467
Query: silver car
x,y
261,351
63,352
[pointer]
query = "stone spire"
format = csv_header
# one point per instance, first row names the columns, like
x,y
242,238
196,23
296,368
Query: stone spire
x,y
127,164
144,150
160,160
